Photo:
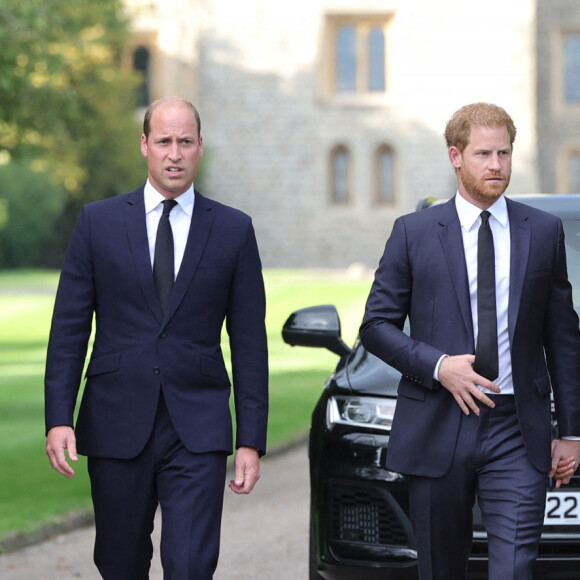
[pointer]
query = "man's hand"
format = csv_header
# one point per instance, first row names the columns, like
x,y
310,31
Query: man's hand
x,y
58,439
456,374
247,464
565,455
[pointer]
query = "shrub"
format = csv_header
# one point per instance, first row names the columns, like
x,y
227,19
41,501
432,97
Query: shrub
x,y
29,205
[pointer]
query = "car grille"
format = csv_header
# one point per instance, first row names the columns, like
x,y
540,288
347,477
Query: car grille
x,y
367,515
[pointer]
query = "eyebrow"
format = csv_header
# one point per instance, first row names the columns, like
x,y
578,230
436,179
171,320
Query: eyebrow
x,y
190,136
483,149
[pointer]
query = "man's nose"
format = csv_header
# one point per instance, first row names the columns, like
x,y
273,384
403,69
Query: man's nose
x,y
494,163
175,152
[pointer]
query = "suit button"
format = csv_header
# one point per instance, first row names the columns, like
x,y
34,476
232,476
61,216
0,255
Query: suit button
x,y
163,335
156,370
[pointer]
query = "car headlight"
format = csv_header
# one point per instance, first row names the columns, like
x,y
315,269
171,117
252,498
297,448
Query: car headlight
x,y
367,412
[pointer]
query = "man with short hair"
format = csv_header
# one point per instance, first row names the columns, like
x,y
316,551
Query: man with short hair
x,y
484,284
160,269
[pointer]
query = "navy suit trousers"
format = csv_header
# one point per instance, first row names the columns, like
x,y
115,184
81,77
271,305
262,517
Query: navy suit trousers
x,y
189,489
491,464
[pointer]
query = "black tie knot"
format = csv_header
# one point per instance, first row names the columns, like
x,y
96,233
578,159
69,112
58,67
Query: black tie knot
x,y
485,215
168,205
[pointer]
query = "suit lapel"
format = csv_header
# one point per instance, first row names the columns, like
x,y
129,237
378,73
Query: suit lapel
x,y
137,233
520,236
452,242
199,230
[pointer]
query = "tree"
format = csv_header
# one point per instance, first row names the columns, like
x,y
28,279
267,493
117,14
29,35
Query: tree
x,y
66,105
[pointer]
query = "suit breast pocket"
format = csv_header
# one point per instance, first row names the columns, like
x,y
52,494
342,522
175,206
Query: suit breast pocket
x,y
214,263
539,271
214,276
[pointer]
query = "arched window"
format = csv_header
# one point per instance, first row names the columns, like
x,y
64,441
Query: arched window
x,y
346,59
142,64
340,175
376,60
384,176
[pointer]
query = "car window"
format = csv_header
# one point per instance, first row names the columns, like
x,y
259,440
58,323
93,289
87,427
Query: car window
x,y
369,374
572,231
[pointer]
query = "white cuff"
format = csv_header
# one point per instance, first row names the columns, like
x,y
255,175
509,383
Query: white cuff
x,y
438,366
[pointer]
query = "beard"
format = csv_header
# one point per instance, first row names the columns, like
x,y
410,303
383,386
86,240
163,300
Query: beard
x,y
480,189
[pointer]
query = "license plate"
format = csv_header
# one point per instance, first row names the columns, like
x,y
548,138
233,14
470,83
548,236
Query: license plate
x,y
562,508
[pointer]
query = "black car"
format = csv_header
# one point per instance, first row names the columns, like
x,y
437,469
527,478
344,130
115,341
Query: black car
x,y
359,519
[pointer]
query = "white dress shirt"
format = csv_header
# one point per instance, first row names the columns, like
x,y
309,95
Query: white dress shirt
x,y
179,218
470,220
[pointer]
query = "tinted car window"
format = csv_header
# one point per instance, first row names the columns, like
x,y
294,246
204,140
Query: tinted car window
x,y
572,231
368,374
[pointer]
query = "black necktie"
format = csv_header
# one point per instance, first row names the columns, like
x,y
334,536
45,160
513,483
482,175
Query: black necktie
x,y
486,357
163,261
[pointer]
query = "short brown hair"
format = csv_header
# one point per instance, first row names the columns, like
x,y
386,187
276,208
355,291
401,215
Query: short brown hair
x,y
458,129
176,101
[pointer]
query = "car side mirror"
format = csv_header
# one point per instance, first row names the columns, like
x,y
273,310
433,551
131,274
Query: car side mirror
x,y
317,326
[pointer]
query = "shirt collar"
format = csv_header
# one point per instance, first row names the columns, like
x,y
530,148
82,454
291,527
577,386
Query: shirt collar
x,y
153,199
469,213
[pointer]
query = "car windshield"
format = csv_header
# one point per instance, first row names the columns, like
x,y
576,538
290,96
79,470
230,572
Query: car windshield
x,y
572,231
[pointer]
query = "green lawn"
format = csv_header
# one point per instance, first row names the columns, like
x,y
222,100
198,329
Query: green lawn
x,y
31,494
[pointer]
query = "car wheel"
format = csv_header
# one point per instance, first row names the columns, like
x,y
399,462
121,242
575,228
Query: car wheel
x,y
313,559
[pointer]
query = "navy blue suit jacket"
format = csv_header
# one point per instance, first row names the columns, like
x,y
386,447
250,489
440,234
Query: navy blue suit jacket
x,y
107,274
423,276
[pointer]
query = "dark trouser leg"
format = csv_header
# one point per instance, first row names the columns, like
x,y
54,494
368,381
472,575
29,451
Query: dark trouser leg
x,y
511,495
191,488
441,512
124,501
126,493
490,459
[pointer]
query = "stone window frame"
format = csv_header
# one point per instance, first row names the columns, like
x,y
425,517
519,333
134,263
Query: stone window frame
x,y
145,41
363,24
143,54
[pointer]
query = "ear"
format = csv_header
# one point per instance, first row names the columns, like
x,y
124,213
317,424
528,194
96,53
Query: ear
x,y
455,157
143,145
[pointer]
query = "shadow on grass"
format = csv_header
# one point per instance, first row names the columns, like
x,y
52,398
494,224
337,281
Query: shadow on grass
x,y
23,346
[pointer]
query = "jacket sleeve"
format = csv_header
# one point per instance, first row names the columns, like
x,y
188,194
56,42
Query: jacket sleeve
x,y
387,308
70,328
245,323
562,345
